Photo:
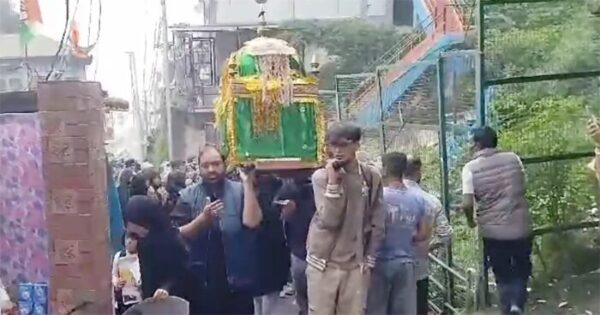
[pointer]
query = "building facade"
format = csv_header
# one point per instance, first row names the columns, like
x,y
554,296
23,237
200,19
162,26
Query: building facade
x,y
22,67
387,12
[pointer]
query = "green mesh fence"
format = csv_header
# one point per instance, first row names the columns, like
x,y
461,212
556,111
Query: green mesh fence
x,y
328,99
541,85
545,118
346,87
523,39
460,112
459,117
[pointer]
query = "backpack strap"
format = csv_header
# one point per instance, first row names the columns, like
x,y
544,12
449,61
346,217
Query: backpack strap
x,y
367,176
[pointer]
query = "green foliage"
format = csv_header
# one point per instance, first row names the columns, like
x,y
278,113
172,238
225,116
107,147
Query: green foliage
x,y
594,7
558,192
569,44
548,118
355,43
159,150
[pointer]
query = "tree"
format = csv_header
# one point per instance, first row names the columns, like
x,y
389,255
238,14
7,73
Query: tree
x,y
355,44
548,118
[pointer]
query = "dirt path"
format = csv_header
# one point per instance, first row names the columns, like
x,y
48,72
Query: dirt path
x,y
578,295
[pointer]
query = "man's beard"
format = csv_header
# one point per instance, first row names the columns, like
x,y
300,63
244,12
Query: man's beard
x,y
214,190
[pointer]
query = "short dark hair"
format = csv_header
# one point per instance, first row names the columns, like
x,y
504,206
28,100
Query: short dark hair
x,y
486,137
177,163
150,174
413,165
343,130
138,186
208,147
289,190
130,163
394,164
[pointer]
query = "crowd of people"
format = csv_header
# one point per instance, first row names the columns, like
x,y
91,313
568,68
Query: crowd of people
x,y
354,238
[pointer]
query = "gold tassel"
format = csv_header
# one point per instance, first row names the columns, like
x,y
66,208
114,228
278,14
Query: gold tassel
x,y
266,103
232,156
225,110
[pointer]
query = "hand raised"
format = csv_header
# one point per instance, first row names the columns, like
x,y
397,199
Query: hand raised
x,y
213,209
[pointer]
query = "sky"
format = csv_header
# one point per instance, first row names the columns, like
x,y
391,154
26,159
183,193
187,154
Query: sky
x,y
124,26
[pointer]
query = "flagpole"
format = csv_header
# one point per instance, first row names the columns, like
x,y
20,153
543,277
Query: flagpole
x,y
28,69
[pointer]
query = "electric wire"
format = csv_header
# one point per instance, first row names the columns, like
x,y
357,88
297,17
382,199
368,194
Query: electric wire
x,y
62,41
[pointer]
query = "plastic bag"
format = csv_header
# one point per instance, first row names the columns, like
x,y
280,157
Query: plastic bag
x,y
5,303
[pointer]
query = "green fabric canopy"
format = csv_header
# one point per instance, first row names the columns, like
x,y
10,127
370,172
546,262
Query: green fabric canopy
x,y
296,137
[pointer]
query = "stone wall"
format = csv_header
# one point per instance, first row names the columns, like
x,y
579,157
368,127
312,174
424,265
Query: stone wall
x,y
74,169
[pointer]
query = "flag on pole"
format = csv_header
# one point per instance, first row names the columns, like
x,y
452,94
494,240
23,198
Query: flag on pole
x,y
31,20
76,50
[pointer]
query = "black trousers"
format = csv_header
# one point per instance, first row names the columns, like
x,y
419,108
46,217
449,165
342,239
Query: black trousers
x,y
423,296
511,263
227,303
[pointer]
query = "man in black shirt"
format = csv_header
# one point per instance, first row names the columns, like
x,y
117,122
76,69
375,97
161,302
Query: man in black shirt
x,y
297,209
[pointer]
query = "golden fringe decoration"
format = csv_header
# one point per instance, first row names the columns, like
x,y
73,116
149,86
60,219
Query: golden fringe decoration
x,y
264,118
232,156
225,109
266,112
321,125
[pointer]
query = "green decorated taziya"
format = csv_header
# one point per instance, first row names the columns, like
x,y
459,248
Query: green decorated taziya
x,y
267,107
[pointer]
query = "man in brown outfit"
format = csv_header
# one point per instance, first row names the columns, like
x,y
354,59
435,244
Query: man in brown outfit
x,y
347,228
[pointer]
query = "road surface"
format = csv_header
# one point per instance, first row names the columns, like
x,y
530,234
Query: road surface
x,y
286,306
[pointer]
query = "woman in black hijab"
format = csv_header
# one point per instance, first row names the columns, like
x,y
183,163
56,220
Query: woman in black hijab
x,y
139,185
124,181
175,184
163,257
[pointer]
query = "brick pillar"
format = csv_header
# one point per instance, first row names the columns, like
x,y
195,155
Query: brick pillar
x,y
72,128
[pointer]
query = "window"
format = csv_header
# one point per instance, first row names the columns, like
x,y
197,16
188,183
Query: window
x,y
403,13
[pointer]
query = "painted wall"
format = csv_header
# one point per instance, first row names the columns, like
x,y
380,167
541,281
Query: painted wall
x,y
23,231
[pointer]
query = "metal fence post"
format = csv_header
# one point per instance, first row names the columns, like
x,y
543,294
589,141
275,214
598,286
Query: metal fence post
x,y
480,69
482,119
338,108
382,140
449,277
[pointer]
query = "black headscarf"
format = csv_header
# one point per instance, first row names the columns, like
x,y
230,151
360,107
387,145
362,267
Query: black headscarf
x,y
147,212
124,180
175,182
125,177
138,186
151,174
163,257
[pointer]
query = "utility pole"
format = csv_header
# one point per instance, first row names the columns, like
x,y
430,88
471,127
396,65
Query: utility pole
x,y
138,124
166,77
